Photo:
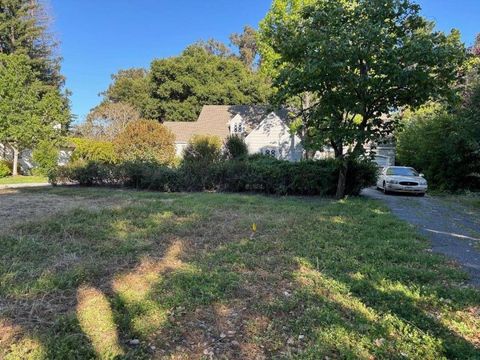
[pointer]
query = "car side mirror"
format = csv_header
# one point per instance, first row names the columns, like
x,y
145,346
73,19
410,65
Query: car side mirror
x,y
422,175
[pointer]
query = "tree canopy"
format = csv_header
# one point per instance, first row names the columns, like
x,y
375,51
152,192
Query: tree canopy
x,y
182,85
107,120
24,30
131,86
444,143
205,73
360,60
30,111
246,43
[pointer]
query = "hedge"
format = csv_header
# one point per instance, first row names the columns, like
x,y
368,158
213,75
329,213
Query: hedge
x,y
259,174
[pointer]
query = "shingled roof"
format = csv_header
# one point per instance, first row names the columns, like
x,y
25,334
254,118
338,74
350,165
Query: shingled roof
x,y
214,120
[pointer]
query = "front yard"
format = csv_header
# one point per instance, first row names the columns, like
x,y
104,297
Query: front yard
x,y
10,180
136,275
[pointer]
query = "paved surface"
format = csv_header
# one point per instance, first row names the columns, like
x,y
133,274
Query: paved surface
x,y
453,229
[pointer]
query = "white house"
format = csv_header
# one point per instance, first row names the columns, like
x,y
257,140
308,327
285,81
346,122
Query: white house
x,y
25,161
272,137
264,131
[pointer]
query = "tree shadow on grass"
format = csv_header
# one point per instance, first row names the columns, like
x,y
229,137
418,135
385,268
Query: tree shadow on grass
x,y
187,279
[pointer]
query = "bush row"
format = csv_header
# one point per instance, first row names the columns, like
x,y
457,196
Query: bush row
x,y
262,175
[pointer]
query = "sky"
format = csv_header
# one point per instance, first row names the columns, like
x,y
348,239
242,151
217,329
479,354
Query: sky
x,y
99,37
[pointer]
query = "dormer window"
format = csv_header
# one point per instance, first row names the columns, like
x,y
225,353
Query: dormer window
x,y
236,125
238,128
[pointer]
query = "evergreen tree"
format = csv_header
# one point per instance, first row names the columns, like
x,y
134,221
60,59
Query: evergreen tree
x,y
30,111
24,31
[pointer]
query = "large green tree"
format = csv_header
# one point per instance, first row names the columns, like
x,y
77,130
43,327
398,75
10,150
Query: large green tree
x,y
359,60
131,86
444,142
182,85
30,110
24,30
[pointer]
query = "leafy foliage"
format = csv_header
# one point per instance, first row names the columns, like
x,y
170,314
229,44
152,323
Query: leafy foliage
x,y
203,149
247,45
45,157
235,147
24,31
30,110
131,86
445,145
4,169
86,150
201,153
358,60
262,174
182,85
145,141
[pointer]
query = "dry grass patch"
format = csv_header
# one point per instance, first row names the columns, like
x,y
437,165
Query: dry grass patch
x,y
141,275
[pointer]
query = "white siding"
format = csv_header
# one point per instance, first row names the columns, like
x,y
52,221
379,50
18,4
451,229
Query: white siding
x,y
179,147
273,133
24,158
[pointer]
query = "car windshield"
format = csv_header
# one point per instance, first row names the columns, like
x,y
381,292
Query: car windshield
x,y
401,171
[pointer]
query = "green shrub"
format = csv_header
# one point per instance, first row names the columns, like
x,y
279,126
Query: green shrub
x,y
203,148
199,158
93,150
84,173
271,176
5,169
263,175
235,148
45,157
444,145
361,174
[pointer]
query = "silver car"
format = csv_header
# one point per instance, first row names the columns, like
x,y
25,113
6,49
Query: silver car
x,y
402,179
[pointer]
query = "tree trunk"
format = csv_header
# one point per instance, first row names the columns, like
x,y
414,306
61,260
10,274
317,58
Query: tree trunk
x,y
342,179
15,161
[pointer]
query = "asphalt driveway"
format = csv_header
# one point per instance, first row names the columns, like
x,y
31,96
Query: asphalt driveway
x,y
453,230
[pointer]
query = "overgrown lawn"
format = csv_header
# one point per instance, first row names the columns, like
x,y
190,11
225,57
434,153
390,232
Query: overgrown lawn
x,y
10,180
196,276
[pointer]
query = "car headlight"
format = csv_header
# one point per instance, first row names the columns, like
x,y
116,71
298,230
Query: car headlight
x,y
392,181
423,182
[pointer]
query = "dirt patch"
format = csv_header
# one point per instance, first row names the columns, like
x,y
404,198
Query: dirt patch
x,y
18,206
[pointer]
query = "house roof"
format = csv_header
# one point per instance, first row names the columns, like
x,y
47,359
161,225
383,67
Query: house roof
x,y
215,119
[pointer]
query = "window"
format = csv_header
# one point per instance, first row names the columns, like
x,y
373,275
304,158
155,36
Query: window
x,y
237,128
270,152
401,171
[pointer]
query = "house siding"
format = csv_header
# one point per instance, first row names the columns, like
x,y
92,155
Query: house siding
x,y
25,160
273,133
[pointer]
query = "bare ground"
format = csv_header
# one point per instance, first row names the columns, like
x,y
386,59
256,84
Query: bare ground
x,y
20,205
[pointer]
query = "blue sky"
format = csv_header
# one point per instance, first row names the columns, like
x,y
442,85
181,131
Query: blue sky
x,y
99,37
